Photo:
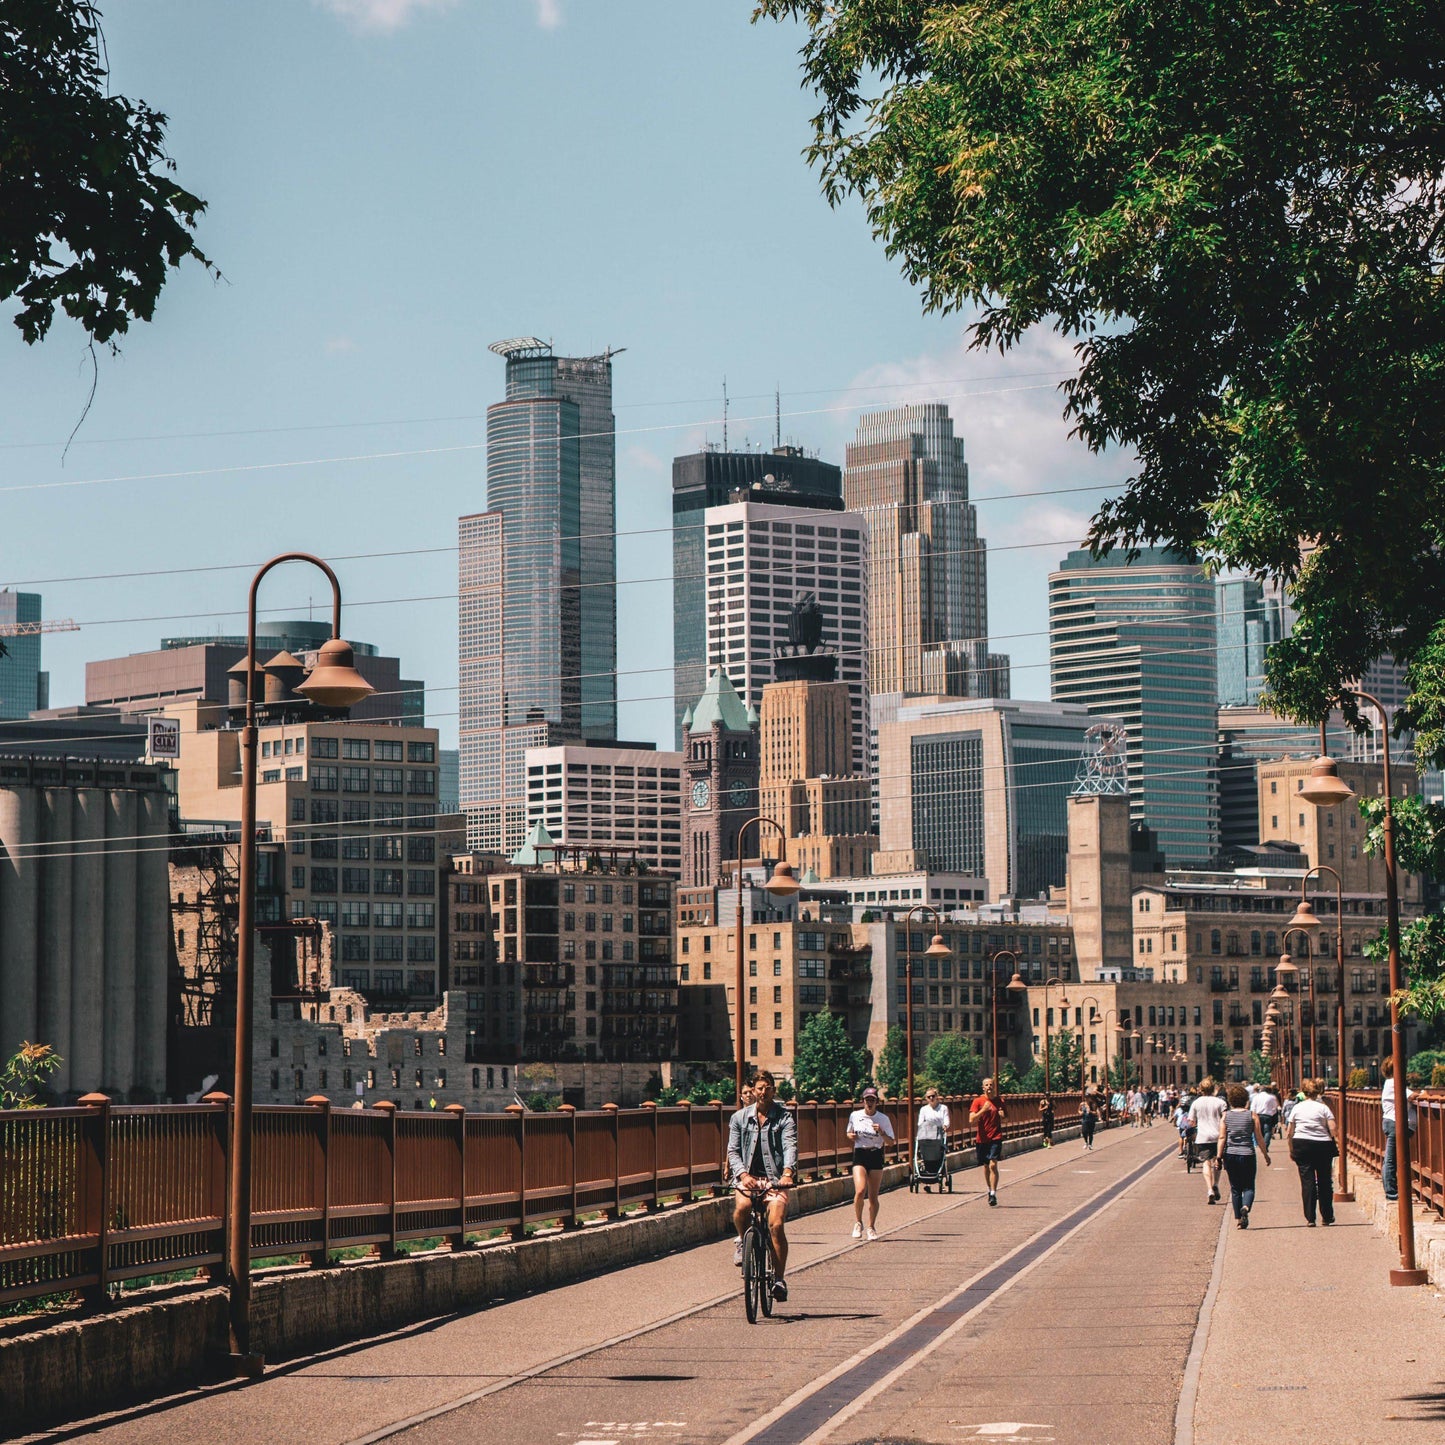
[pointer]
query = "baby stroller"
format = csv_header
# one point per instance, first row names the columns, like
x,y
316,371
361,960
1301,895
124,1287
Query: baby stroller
x,y
930,1165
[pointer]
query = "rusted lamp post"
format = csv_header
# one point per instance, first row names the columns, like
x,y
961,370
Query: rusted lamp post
x,y
335,683
781,885
1013,958
1325,789
936,949
1017,985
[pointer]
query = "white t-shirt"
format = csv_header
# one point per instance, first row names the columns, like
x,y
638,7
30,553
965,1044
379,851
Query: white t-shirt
x,y
1207,1111
933,1121
1264,1103
1387,1103
869,1133
1311,1120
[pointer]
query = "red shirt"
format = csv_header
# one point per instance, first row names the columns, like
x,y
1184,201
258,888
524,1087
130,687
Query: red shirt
x,y
988,1123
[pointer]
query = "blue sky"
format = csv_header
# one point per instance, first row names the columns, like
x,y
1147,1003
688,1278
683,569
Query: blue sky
x,y
393,184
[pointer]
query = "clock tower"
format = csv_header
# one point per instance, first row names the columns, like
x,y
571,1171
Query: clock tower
x,y
720,780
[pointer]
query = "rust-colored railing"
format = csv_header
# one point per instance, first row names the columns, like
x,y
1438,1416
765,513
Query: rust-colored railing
x,y
1427,1145
90,1196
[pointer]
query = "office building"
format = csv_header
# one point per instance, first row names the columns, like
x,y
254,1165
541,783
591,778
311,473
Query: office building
x,y
1135,642
538,582
905,474
980,787
762,562
23,686
625,796
783,477
1250,617
85,921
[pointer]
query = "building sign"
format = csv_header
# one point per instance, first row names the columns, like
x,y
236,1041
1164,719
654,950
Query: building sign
x,y
163,740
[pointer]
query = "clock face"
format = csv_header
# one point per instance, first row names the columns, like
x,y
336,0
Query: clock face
x,y
701,794
738,794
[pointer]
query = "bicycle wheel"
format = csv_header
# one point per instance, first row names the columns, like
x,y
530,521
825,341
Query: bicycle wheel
x,y
766,1274
751,1282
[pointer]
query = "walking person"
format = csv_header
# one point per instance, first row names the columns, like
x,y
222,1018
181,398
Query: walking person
x,y
1265,1103
1313,1144
1206,1114
1046,1121
871,1132
1088,1119
1239,1133
987,1116
1387,1114
933,1123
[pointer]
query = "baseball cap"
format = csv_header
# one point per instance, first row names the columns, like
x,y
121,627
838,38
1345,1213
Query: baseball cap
x,y
870,1092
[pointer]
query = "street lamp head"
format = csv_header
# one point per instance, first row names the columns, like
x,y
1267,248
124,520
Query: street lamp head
x,y
1017,985
782,884
1304,917
1324,787
937,949
334,681
1279,994
1286,967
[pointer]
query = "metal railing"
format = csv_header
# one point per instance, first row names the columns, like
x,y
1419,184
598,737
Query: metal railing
x,y
94,1195
1427,1144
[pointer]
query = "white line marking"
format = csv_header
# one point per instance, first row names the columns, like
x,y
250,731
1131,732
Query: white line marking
x,y
1189,1393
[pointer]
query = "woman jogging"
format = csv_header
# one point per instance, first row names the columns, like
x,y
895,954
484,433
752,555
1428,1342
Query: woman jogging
x,y
1313,1144
871,1132
1088,1119
1046,1121
1239,1133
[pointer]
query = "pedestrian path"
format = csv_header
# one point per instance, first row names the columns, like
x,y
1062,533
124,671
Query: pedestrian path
x,y
1302,1337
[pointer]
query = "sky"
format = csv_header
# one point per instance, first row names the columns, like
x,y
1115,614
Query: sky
x,y
391,186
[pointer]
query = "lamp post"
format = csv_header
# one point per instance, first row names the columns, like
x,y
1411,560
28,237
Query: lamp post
x,y
1094,1015
781,885
1137,1035
333,682
1282,1006
936,949
1305,922
1013,958
1017,984
1325,789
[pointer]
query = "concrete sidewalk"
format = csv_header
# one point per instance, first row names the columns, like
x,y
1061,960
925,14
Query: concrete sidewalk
x,y
1302,1337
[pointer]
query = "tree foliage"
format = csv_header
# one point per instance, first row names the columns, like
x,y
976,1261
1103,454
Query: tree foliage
x,y
91,220
1259,1069
826,1064
1066,1052
23,1076
893,1062
1235,209
953,1065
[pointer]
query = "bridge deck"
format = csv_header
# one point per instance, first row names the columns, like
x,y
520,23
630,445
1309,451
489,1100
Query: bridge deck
x,y
1072,1312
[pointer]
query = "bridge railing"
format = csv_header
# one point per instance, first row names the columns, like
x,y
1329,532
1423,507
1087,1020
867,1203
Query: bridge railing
x,y
94,1195
1366,1137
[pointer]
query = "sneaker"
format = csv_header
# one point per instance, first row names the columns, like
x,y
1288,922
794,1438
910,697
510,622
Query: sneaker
x,y
1244,1218
992,1197
1327,1222
872,1235
1310,1223
857,1231
780,1289
738,1253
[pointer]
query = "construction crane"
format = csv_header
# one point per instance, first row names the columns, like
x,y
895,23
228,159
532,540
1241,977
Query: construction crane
x,y
34,629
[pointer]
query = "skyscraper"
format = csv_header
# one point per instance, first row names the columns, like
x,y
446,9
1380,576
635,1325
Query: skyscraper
x,y
23,687
927,570
784,477
1136,642
538,582
1251,617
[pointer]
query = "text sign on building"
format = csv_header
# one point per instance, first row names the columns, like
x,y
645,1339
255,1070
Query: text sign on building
x,y
163,739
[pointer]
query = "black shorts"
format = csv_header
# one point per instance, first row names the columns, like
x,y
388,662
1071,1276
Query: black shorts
x,y
870,1159
989,1151
1206,1148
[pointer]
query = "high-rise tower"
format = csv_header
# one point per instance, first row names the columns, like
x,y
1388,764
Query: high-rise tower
x,y
538,582
23,686
927,569
1135,641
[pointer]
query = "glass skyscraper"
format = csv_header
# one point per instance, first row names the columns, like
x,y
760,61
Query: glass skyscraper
x,y
23,687
538,582
1136,642
1251,617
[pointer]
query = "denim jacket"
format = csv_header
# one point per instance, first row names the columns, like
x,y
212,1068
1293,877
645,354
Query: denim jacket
x,y
780,1141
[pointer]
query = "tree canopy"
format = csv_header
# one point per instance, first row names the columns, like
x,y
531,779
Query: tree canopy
x,y
826,1065
91,220
953,1065
1235,208
893,1062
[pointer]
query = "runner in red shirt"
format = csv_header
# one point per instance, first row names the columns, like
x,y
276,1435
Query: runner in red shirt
x,y
987,1116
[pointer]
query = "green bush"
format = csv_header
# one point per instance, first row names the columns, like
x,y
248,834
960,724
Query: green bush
x,y
1359,1078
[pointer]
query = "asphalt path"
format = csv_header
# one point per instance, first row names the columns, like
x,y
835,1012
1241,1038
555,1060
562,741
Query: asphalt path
x,y
1066,1313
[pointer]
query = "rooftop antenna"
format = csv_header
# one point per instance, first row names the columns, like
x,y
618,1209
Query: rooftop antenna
x,y
725,413
777,417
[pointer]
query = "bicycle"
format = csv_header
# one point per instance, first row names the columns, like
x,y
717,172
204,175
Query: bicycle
x,y
759,1271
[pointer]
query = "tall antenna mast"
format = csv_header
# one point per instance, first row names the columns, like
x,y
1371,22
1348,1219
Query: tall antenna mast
x,y
777,417
725,413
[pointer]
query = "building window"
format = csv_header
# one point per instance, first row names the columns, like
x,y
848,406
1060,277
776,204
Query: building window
x,y
386,780
324,747
356,749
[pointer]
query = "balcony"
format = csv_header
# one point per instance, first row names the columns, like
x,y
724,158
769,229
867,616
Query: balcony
x,y
1239,1019
839,949
1223,985
860,972
549,975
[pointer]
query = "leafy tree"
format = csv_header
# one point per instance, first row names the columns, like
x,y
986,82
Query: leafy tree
x,y
1121,1074
826,1065
1217,1059
667,1095
893,1062
90,218
22,1079
1010,1081
953,1065
1236,210
542,1103
1259,1069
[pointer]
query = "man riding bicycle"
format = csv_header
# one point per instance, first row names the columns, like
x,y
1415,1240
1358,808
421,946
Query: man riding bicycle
x,y
763,1158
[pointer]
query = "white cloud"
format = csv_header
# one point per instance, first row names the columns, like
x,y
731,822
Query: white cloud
x,y
338,345
381,16
549,13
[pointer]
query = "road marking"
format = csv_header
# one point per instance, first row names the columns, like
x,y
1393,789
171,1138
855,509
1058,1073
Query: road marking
x,y
810,1414
1005,1431
1189,1392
